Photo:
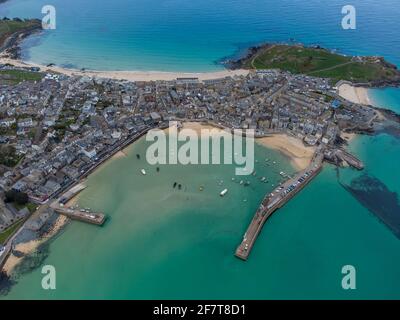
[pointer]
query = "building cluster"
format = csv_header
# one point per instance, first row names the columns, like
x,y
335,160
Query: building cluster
x,y
61,126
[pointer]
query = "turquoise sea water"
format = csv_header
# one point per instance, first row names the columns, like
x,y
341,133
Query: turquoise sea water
x,y
164,243
388,98
183,35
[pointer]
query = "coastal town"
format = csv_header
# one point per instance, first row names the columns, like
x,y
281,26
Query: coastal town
x,y
58,129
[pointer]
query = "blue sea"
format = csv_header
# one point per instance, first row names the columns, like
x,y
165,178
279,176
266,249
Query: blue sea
x,y
164,243
187,35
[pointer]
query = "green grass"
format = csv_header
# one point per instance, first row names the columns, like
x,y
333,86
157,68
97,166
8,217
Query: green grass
x,y
8,156
10,231
319,63
17,76
8,27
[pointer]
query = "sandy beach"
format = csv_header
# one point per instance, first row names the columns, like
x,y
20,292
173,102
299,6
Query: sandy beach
x,y
348,136
129,75
29,247
299,154
354,94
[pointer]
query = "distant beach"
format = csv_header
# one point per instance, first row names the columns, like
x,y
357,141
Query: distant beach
x,y
128,75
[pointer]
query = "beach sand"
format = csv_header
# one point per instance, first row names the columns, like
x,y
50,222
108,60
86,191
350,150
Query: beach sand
x,y
30,247
129,75
199,126
300,155
119,154
354,94
348,136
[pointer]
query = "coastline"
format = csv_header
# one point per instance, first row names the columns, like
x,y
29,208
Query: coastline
x,y
293,148
299,155
127,75
354,94
31,246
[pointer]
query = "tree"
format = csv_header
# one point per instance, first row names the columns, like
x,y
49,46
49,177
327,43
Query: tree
x,y
20,198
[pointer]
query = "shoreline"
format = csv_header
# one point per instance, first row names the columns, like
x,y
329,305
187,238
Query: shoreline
x,y
31,246
293,148
127,75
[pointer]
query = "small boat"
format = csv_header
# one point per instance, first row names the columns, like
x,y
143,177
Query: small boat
x,y
247,183
179,186
263,179
175,184
138,155
241,182
223,192
201,188
233,179
158,169
143,172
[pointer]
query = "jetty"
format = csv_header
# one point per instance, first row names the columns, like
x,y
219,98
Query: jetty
x,y
283,193
275,200
84,215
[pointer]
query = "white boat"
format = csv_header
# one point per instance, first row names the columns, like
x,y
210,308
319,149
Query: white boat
x,y
143,172
223,192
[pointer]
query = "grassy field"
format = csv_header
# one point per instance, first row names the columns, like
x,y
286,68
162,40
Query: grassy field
x,y
319,63
7,233
7,27
17,76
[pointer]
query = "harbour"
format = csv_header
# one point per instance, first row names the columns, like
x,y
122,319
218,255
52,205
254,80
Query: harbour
x,y
201,255
287,190
171,241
